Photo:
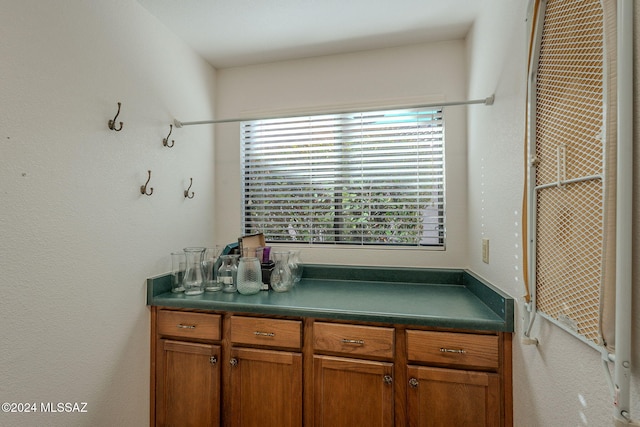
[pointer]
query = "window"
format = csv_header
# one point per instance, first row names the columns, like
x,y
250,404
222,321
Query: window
x,y
372,178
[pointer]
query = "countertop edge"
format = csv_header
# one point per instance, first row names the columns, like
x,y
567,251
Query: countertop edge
x,y
159,294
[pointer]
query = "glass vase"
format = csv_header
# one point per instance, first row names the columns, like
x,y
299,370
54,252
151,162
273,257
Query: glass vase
x,y
193,280
281,278
249,276
295,265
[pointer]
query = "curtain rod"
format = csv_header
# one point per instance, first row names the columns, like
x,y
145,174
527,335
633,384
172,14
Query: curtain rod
x,y
486,101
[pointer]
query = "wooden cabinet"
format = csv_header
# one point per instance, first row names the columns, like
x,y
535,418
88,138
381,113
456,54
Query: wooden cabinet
x,y
351,392
449,397
468,396
265,385
243,370
351,389
186,380
265,388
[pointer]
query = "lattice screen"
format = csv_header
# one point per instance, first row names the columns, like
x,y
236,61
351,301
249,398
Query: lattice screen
x,y
569,162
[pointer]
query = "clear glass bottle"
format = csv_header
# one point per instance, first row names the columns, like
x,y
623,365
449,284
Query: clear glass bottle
x,y
211,283
227,272
249,276
295,265
178,265
193,281
281,278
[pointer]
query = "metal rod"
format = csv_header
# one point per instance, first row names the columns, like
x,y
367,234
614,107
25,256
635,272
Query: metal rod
x,y
624,217
486,101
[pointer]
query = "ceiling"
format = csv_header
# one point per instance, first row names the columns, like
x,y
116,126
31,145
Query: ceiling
x,y
229,33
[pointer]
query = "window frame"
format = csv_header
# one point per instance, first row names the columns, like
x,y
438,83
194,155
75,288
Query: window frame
x,y
436,126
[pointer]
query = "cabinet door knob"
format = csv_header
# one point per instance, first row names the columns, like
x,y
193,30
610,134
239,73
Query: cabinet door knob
x,y
387,379
213,360
413,382
233,362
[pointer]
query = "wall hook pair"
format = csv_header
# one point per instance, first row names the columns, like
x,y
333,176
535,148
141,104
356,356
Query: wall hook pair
x,y
112,123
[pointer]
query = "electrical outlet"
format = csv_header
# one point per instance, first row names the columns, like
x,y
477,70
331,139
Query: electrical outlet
x,y
485,251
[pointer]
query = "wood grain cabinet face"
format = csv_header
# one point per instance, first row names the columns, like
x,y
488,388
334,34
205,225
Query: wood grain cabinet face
x,y
352,392
286,372
453,349
184,324
265,388
260,331
265,385
187,384
447,397
372,341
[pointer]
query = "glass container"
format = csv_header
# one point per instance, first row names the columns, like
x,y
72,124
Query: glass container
x,y
193,280
295,265
281,278
249,276
227,272
178,265
211,283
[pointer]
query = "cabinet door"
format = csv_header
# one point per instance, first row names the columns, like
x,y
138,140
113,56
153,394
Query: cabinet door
x,y
448,397
188,384
265,388
351,392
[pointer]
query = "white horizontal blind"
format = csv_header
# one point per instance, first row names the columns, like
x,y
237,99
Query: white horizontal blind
x,y
374,178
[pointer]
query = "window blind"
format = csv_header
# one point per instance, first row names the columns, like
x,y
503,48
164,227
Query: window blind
x,y
372,178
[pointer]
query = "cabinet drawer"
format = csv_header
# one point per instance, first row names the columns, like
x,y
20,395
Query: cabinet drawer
x,y
189,325
354,339
264,331
468,350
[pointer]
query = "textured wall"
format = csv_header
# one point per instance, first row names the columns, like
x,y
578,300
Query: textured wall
x,y
78,238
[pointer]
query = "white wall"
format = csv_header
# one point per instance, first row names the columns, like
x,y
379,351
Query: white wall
x,y
561,382
412,74
78,238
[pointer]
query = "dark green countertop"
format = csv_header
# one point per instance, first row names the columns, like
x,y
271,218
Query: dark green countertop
x,y
428,297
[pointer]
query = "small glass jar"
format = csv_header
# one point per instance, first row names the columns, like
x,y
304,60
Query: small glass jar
x,y
227,272
249,276
281,278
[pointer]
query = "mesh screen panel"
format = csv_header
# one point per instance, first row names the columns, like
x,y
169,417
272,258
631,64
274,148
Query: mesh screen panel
x,y
570,146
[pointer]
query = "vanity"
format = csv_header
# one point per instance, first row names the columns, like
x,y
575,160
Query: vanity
x,y
347,346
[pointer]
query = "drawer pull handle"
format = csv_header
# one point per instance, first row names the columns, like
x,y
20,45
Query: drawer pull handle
x,y
264,334
356,342
450,350
181,326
